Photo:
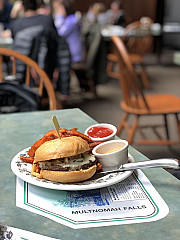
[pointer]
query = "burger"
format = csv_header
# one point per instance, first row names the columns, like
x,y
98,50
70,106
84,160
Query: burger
x,y
64,160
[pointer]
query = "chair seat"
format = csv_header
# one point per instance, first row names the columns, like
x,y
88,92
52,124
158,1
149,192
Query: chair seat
x,y
112,57
158,104
135,58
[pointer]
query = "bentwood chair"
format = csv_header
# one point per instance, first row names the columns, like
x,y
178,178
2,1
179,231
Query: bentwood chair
x,y
136,105
138,40
30,67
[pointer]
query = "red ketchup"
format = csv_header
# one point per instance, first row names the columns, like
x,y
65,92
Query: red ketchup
x,y
99,132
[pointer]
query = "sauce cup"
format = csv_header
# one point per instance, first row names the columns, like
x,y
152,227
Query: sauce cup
x,y
112,154
100,138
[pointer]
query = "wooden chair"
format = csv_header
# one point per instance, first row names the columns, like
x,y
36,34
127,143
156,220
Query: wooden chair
x,y
148,21
138,105
44,81
138,40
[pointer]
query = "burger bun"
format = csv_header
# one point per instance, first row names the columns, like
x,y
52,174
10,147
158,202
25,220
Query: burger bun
x,y
60,148
66,176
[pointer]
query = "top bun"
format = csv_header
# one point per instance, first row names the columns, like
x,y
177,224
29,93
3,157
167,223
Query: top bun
x,y
60,148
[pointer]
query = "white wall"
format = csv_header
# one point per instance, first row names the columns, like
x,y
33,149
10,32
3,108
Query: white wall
x,y
172,14
172,10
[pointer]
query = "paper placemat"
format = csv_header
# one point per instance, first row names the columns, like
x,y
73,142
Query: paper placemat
x,y
10,233
134,200
26,235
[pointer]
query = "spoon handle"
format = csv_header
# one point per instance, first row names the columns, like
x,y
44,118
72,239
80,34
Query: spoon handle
x,y
165,162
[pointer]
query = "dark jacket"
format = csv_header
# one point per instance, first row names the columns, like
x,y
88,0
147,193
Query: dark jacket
x,y
5,14
50,51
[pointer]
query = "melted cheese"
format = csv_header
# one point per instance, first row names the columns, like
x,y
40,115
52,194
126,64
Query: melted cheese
x,y
74,162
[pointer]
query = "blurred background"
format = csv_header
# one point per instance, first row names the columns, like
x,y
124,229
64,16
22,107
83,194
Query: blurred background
x,y
101,99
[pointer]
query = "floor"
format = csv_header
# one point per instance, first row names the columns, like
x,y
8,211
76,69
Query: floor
x,y
164,77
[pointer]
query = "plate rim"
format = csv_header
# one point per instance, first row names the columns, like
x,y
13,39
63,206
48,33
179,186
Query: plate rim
x,y
66,187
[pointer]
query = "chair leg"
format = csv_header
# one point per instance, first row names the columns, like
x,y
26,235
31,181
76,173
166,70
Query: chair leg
x,y
130,129
166,126
133,130
178,125
109,67
144,77
110,70
58,104
122,124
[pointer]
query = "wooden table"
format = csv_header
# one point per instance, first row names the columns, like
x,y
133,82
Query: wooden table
x,y
18,131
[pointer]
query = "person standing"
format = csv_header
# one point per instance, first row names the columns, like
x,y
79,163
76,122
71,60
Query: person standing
x,y
68,26
115,15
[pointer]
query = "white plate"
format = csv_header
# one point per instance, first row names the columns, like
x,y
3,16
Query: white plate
x,y
23,171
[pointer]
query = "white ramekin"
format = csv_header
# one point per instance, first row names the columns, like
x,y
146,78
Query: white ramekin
x,y
110,137
112,160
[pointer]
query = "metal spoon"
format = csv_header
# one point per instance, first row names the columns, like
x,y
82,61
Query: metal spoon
x,y
165,162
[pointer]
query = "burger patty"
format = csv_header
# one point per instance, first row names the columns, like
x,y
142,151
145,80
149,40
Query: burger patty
x,y
75,163
59,168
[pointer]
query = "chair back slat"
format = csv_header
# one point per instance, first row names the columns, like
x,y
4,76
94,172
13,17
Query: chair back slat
x,y
13,66
41,86
137,37
132,92
30,64
27,76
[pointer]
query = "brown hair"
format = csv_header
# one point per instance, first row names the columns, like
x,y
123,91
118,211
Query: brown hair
x,y
68,5
29,4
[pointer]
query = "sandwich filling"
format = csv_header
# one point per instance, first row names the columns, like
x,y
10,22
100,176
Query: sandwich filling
x,y
73,163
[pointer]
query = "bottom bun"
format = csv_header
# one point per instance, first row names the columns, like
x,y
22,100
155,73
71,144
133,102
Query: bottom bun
x,y
68,176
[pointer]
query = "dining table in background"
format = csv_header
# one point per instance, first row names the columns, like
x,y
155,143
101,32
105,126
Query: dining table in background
x,y
110,30
20,130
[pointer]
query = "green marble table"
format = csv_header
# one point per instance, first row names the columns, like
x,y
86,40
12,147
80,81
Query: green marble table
x,y
18,131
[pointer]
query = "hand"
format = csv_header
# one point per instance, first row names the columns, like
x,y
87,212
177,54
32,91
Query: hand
x,y
6,33
17,8
59,9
